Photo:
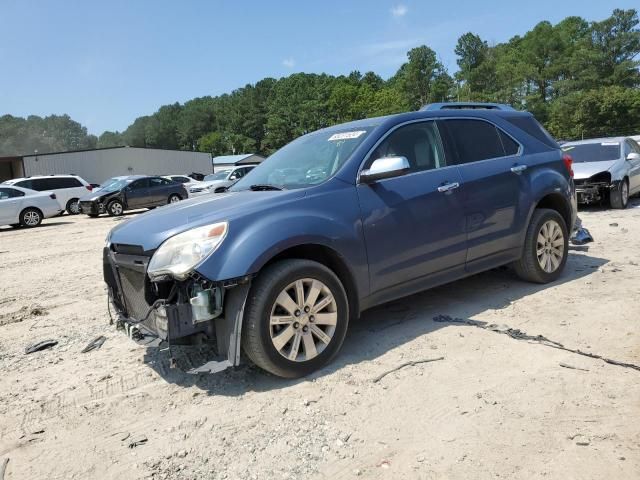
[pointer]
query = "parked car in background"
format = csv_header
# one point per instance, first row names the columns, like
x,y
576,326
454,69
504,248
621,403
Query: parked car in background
x,y
186,181
68,188
606,170
130,193
369,211
223,178
25,207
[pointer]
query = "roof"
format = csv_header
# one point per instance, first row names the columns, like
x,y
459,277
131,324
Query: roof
x,y
108,148
467,106
234,159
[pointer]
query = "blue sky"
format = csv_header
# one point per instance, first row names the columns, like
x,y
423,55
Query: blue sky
x,y
107,62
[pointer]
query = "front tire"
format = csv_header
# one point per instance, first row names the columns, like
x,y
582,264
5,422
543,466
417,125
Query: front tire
x,y
619,196
73,206
296,318
30,217
546,248
115,208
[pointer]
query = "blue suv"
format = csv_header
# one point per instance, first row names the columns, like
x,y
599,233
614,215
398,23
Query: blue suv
x,y
341,220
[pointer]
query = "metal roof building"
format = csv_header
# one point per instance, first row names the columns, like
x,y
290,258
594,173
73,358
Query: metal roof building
x,y
225,161
98,165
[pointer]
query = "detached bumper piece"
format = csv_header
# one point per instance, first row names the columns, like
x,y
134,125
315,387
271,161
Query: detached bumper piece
x,y
91,208
171,312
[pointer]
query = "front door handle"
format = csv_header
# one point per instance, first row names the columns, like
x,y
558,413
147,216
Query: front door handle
x,y
447,187
518,168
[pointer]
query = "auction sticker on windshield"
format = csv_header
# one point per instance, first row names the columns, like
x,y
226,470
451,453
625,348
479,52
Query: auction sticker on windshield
x,y
346,135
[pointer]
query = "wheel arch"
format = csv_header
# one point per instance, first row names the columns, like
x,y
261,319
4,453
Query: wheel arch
x,y
329,258
557,202
30,207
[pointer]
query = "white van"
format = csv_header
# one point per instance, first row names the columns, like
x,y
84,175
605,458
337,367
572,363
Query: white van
x,y
68,188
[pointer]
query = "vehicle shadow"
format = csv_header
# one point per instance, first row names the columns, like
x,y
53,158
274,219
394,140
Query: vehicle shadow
x,y
44,224
386,327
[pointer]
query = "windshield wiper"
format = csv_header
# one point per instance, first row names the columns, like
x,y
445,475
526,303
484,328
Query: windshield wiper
x,y
265,186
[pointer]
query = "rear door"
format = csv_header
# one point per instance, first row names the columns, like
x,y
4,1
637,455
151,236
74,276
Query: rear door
x,y
137,193
494,179
10,205
160,189
413,224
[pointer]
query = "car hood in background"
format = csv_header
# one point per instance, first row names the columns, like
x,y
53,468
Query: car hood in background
x,y
584,170
152,228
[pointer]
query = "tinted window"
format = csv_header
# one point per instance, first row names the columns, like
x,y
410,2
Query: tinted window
x,y
138,184
25,184
472,140
531,126
10,193
180,179
159,182
593,152
418,142
508,144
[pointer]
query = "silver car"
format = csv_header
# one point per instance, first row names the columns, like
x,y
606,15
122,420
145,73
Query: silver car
x,y
223,178
605,170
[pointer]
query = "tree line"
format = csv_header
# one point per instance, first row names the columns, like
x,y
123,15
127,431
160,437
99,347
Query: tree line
x,y
579,78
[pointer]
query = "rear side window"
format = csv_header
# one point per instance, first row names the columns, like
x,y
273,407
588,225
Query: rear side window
x,y
10,193
470,140
53,183
25,184
531,126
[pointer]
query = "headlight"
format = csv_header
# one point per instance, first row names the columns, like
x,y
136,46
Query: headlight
x,y
182,253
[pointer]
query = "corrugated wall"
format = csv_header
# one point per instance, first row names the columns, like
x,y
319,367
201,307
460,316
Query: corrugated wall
x,y
95,166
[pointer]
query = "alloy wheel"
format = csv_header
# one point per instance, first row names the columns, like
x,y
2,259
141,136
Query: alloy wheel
x,y
303,320
550,246
174,199
32,218
625,193
116,208
74,207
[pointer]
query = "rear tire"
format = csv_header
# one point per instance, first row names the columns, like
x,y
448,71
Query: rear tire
x,y
30,217
546,248
73,206
174,198
619,196
302,338
115,208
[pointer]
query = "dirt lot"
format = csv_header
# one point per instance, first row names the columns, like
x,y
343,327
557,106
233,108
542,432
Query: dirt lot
x,y
493,407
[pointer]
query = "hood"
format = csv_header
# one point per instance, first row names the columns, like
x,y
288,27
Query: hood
x,y
95,195
152,228
211,183
584,170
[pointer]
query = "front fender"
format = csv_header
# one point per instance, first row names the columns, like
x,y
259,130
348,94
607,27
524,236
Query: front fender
x,y
328,216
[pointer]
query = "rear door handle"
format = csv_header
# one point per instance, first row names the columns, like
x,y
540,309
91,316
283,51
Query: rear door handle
x,y
518,168
447,187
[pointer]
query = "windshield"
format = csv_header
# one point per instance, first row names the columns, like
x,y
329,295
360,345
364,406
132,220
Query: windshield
x,y
307,161
222,175
593,152
114,185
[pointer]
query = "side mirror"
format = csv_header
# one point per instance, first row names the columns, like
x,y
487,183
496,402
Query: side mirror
x,y
633,156
386,167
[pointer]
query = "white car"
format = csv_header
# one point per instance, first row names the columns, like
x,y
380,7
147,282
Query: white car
x,y
186,181
27,208
223,178
68,188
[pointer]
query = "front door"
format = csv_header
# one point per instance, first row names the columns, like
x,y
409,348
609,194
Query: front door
x,y
10,202
137,193
494,177
413,224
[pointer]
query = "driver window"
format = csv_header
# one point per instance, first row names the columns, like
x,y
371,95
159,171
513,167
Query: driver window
x,y
418,142
138,184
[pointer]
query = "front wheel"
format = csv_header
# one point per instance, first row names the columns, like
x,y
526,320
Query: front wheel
x,y
174,198
619,196
545,248
296,318
115,208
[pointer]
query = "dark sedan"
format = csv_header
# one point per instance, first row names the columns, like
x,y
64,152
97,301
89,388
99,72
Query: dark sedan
x,y
129,193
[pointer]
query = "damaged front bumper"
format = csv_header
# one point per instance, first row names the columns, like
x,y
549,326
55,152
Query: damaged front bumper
x,y
591,191
168,310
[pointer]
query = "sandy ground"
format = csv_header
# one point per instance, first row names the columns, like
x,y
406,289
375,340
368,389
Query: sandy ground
x,y
494,407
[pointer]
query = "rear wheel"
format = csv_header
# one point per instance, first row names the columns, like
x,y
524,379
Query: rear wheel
x,y
545,248
115,208
619,196
73,206
296,318
174,198
30,217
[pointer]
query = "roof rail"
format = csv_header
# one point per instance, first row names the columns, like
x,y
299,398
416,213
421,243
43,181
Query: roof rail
x,y
466,106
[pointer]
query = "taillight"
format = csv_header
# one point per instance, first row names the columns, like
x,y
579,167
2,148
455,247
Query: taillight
x,y
568,163
89,187
52,196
